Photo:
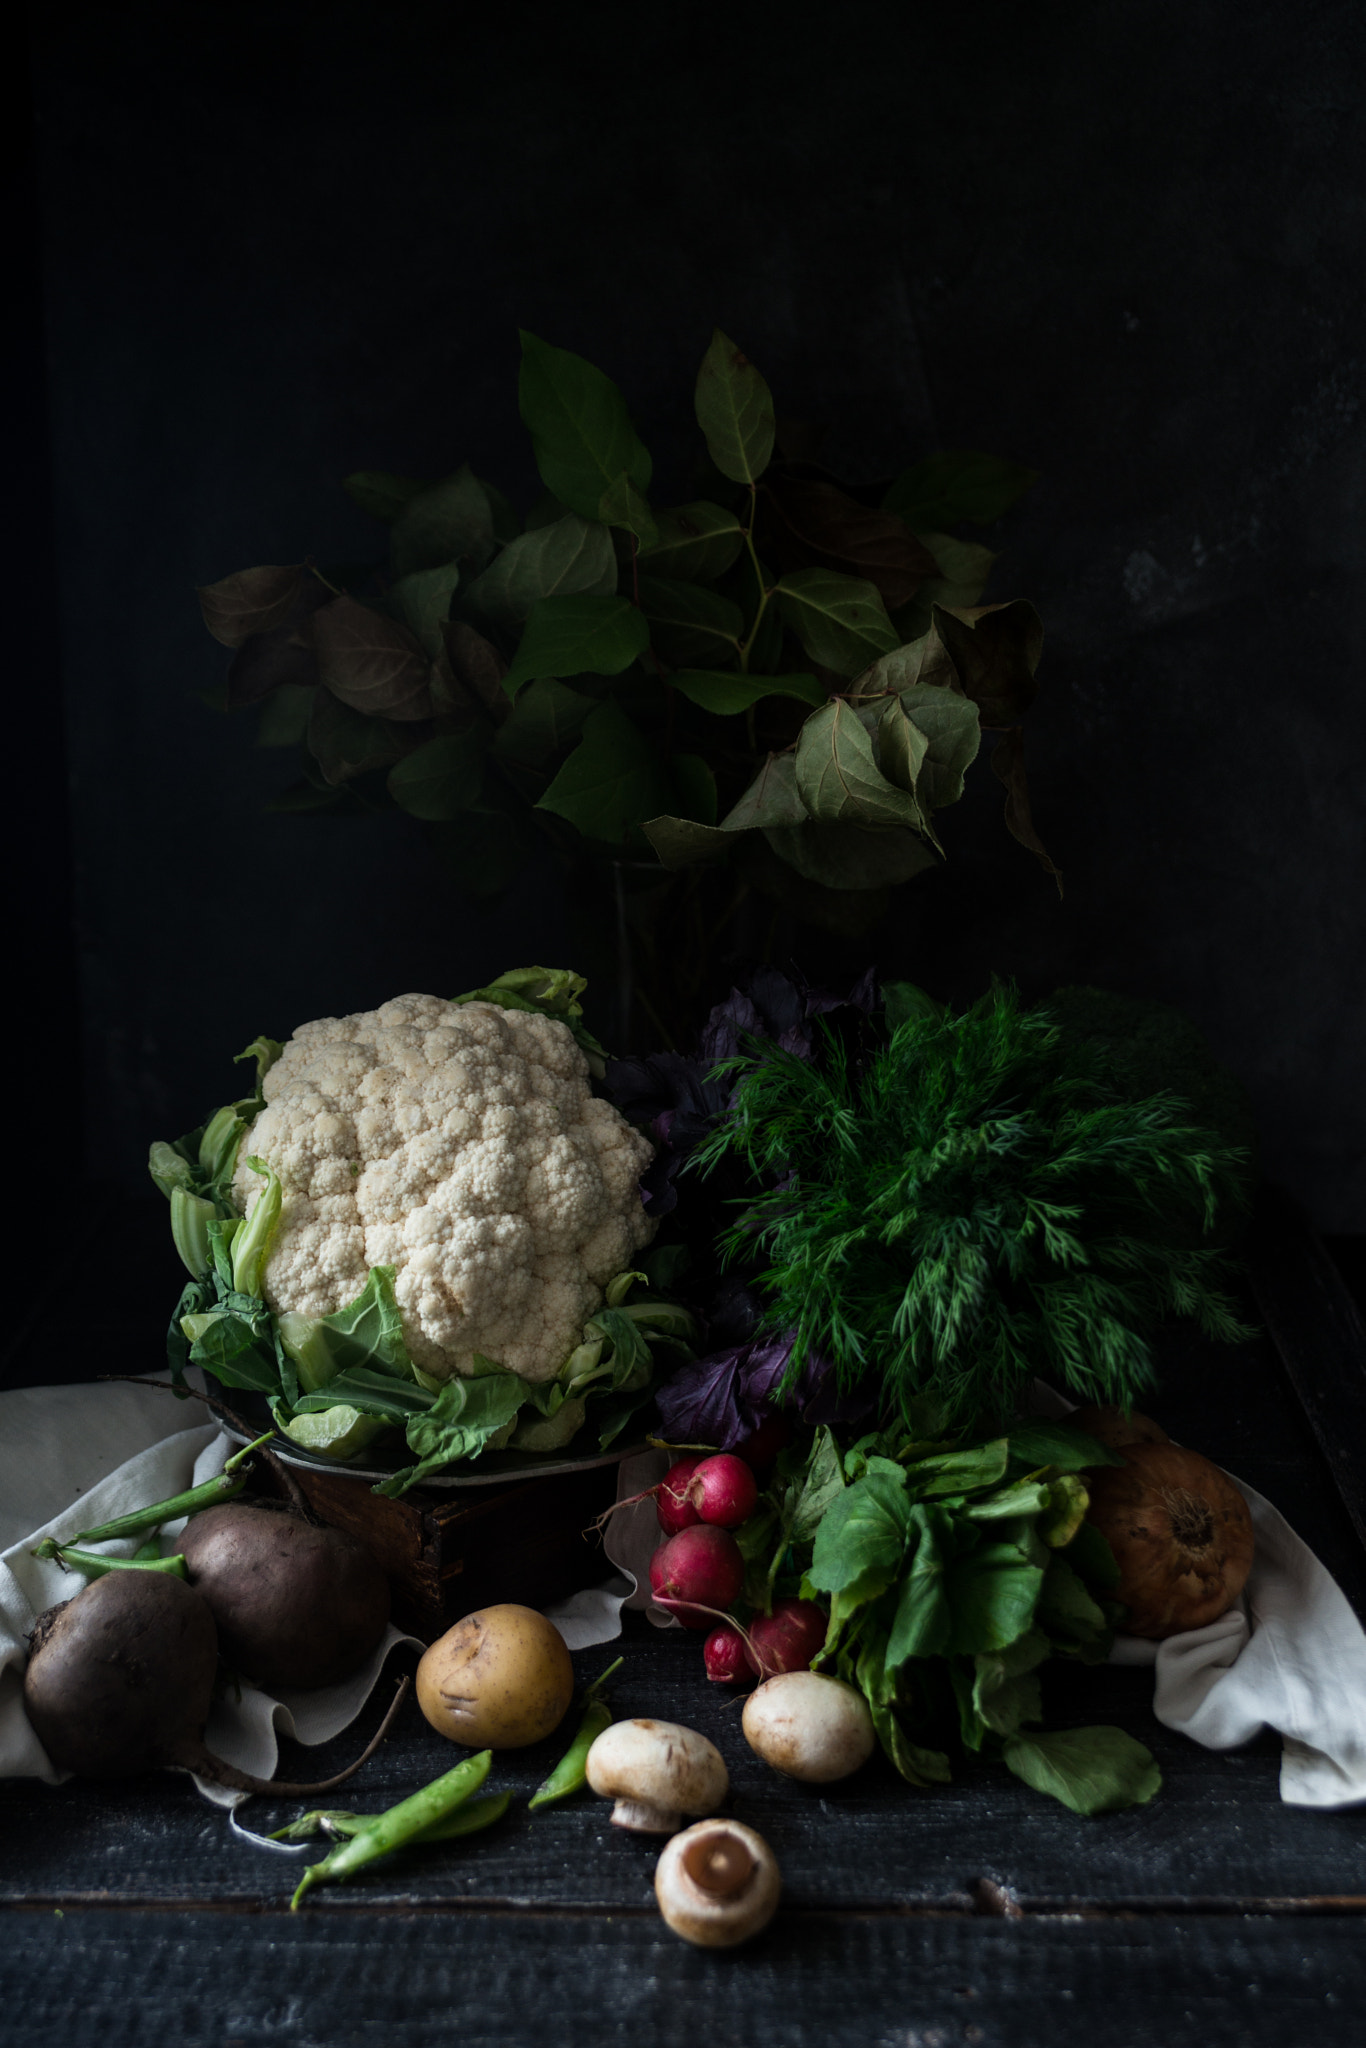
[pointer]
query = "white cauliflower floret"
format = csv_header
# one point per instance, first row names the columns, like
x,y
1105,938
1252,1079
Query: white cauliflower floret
x,y
460,1144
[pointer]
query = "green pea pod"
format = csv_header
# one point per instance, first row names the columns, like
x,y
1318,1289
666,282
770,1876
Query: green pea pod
x,y
570,1774
468,1819
409,1821
228,1484
94,1566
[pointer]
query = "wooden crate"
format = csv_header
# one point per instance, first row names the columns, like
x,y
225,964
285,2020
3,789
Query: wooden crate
x,y
447,1554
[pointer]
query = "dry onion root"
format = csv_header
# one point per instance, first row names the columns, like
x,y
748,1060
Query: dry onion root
x,y
1181,1534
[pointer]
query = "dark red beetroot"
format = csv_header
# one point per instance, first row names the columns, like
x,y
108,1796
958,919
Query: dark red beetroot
x,y
723,1491
701,1565
787,1639
726,1657
297,1605
672,1505
120,1680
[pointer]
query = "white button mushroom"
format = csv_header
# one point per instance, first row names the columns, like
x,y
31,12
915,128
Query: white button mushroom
x,y
656,1772
717,1883
809,1726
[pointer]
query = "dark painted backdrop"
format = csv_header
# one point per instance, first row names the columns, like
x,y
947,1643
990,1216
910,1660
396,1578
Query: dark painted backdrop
x,y
1121,240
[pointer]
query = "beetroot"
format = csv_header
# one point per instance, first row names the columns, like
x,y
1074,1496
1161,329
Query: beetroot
x,y
787,1639
297,1604
723,1491
726,1657
700,1568
120,1680
672,1505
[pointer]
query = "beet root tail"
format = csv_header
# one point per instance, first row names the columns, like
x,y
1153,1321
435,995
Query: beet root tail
x,y
204,1764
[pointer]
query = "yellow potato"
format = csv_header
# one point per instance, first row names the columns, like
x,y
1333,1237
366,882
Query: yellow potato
x,y
499,1679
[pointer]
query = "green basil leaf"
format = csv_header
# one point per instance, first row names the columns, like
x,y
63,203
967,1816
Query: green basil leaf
x,y
578,635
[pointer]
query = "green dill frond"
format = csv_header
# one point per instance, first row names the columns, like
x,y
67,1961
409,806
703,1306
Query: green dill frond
x,y
978,1206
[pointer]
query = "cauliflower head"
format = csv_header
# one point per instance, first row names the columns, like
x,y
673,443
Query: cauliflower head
x,y
460,1144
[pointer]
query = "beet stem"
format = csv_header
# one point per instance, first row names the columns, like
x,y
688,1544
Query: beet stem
x,y
204,1764
276,1464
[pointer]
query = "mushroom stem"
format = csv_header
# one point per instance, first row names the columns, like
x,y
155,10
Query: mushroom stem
x,y
718,1861
644,1818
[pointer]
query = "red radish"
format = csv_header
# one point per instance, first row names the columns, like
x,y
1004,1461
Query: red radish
x,y
759,1450
723,1491
726,1657
700,1565
787,1639
672,1505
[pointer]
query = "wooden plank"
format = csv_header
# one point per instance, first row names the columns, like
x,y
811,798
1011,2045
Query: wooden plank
x,y
420,1980
1216,1831
1315,1325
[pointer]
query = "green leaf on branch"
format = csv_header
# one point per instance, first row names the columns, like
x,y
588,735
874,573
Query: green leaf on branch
x,y
621,504
579,635
544,723
694,542
443,522
963,566
734,411
923,660
949,487
1091,1770
372,663
1008,766
841,621
727,694
423,602
772,799
612,782
901,745
442,778
691,624
851,857
283,720
696,787
380,493
951,735
570,556
839,778
580,429
346,743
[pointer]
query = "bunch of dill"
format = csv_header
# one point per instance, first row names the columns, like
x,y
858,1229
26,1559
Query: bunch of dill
x,y
973,1204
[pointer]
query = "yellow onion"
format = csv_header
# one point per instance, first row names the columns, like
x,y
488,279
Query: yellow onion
x,y
1181,1534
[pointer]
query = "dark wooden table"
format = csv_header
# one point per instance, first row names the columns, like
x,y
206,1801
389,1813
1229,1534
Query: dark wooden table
x,y
977,1914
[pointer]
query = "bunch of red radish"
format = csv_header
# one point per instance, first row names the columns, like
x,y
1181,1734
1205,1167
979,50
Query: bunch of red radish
x,y
699,1570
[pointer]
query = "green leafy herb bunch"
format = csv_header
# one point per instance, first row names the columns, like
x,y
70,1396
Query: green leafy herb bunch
x,y
786,671
972,1204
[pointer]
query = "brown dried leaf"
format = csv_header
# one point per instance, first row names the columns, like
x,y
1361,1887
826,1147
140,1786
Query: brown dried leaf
x,y
371,663
282,655
995,649
252,601
812,523
1008,766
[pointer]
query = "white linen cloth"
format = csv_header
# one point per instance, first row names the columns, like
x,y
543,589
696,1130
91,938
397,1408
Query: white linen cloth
x,y
1290,1656
73,1457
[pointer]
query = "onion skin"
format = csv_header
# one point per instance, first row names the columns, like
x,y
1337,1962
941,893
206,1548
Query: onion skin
x,y
1181,1534
1116,1430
